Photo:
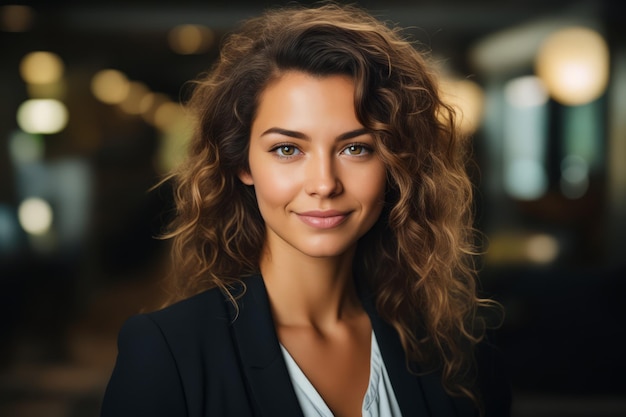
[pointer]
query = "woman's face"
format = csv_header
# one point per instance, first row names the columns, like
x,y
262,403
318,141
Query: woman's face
x,y
319,184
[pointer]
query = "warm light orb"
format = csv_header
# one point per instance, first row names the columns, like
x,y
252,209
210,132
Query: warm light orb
x,y
110,86
574,65
41,68
35,215
190,39
542,249
132,103
42,116
467,98
168,115
150,104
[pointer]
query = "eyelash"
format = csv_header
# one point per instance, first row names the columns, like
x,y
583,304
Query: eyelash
x,y
277,149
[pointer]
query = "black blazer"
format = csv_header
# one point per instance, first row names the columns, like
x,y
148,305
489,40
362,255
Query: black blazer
x,y
200,358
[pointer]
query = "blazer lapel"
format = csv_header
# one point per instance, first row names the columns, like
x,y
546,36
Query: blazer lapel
x,y
417,395
264,368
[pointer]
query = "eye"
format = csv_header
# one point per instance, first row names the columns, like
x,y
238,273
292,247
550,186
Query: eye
x,y
357,149
286,150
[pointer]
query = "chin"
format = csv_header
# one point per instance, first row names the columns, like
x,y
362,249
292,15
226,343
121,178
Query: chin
x,y
325,251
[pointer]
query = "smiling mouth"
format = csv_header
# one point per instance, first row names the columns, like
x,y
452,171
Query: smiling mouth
x,y
323,220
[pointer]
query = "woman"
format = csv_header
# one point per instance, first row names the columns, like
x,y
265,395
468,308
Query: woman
x,y
323,239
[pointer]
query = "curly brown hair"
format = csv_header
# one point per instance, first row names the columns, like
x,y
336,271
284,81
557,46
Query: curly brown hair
x,y
417,259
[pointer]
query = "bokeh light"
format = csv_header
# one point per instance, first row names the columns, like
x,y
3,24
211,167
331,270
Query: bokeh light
x,y
110,86
41,67
35,215
132,103
149,105
45,116
528,91
574,176
168,115
525,179
467,98
542,248
190,39
574,64
522,248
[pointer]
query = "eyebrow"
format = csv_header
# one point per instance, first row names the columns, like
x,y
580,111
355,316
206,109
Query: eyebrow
x,y
299,135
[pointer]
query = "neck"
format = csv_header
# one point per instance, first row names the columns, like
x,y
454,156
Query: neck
x,y
312,292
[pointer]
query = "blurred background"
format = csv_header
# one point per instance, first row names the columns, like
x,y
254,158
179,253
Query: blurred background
x,y
90,119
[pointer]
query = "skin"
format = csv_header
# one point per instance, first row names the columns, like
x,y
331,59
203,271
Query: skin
x,y
320,187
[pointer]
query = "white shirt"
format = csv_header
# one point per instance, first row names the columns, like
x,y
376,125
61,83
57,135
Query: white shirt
x,y
379,400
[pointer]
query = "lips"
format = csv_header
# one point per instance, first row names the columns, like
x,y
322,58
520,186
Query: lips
x,y
323,219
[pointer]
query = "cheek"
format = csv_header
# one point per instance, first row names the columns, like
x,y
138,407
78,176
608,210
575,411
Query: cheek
x,y
273,187
378,195
373,186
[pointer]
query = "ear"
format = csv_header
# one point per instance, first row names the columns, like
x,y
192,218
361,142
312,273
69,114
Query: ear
x,y
246,177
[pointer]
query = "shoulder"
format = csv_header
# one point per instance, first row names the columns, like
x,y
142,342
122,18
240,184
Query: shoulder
x,y
186,322
159,353
493,379
208,305
206,315
179,360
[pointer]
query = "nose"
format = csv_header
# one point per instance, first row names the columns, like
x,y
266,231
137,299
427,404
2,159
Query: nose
x,y
321,177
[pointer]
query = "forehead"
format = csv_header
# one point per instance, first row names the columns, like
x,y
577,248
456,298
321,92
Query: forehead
x,y
295,97
292,80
